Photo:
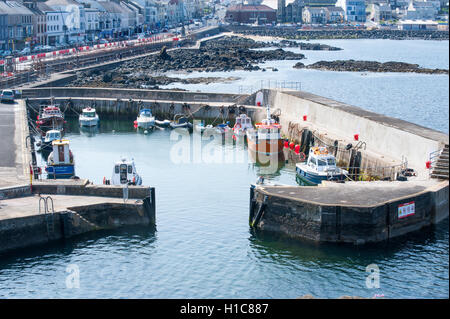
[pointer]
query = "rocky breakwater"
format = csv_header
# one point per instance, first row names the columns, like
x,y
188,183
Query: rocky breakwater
x,y
228,54
368,66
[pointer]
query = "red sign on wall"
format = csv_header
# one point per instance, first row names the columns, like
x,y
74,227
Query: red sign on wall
x,y
407,209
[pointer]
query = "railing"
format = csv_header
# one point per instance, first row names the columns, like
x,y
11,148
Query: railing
x,y
433,158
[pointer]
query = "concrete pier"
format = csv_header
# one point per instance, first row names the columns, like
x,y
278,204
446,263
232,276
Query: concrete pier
x,y
36,212
56,210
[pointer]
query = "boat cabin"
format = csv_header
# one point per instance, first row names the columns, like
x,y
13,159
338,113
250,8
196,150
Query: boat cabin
x,y
89,112
61,153
146,113
243,121
51,111
52,135
320,160
124,172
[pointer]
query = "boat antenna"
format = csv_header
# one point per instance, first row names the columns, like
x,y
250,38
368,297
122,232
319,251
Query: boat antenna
x,y
268,111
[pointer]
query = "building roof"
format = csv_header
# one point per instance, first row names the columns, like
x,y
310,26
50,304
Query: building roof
x,y
336,9
241,7
13,8
417,22
62,2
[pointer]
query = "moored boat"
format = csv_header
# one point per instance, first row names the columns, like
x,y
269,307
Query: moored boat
x,y
145,119
89,117
124,172
46,142
181,122
60,162
243,123
265,138
320,166
50,117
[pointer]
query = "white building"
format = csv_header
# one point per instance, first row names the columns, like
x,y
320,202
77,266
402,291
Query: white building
x,y
73,19
423,10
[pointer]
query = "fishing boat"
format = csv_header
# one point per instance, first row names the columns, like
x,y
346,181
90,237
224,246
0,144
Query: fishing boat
x,y
46,142
60,162
145,119
124,172
50,118
320,166
181,122
265,138
88,117
243,123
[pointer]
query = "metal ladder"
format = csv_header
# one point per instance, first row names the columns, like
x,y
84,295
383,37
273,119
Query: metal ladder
x,y
48,214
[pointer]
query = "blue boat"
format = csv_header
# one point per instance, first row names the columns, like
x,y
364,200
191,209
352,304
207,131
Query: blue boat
x,y
320,166
60,162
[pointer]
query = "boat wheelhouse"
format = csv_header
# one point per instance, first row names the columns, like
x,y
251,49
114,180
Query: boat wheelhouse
x,y
124,172
50,136
60,162
89,117
320,166
145,119
265,138
243,123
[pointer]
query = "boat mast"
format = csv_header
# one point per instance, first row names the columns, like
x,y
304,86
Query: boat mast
x,y
268,112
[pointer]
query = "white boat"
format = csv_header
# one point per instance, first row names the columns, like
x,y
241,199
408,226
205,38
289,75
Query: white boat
x,y
145,120
124,172
88,117
201,127
243,123
320,166
60,162
164,123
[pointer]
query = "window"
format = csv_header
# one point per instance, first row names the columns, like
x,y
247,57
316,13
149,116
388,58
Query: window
x,y
331,161
116,169
130,169
322,162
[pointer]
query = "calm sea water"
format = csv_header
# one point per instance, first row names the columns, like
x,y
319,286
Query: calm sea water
x,y
417,98
202,246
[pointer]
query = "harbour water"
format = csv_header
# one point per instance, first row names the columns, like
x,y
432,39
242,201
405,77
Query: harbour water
x,y
203,246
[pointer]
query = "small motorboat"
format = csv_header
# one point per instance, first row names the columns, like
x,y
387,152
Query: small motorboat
x,y
60,162
145,120
223,128
320,166
201,127
89,117
46,143
181,122
243,123
164,123
124,172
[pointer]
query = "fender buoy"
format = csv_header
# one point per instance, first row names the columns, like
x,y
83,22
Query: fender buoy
x,y
302,156
291,145
104,180
297,148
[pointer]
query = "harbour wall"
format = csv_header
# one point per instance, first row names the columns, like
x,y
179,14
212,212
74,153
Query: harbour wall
x,y
345,223
387,140
41,228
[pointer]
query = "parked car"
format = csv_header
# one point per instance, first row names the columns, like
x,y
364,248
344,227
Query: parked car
x,y
25,51
7,96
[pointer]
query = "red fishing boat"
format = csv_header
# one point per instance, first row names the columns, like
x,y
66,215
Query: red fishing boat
x,y
266,137
50,118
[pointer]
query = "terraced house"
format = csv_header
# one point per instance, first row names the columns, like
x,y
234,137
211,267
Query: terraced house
x,y
19,24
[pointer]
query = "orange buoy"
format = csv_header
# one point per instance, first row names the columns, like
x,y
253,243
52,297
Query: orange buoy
x,y
356,137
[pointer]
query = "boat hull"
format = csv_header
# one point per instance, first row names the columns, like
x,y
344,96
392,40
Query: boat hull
x,y
88,122
145,124
268,147
60,171
313,179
